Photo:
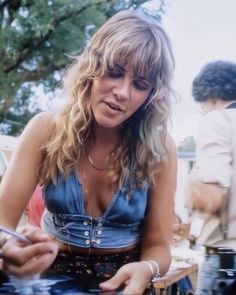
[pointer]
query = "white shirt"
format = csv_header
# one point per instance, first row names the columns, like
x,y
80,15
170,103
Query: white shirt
x,y
213,149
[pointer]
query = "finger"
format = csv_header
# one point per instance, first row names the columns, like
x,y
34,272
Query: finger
x,y
35,234
135,286
20,255
116,281
39,249
138,281
32,267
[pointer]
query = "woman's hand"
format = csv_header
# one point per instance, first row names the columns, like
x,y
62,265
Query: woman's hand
x,y
133,276
22,259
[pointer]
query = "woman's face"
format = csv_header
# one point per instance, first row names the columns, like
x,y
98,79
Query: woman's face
x,y
117,96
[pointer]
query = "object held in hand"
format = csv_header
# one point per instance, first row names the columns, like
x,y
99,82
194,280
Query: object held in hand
x,y
9,232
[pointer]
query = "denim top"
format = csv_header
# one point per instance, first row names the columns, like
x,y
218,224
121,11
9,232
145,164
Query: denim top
x,y
66,219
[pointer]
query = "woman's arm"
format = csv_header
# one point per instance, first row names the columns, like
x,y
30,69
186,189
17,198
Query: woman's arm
x,y
21,176
157,234
16,188
158,229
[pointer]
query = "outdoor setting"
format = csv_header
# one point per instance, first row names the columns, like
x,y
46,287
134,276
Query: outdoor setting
x,y
117,147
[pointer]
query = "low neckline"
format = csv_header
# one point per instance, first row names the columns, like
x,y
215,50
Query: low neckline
x,y
110,205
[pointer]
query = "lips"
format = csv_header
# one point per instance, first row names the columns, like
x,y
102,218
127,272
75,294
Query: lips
x,y
114,106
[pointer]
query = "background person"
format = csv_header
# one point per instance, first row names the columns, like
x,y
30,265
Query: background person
x,y
106,164
212,184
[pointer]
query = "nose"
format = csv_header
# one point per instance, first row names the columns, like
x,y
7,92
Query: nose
x,y
121,90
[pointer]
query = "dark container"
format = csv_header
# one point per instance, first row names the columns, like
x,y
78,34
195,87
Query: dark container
x,y
227,258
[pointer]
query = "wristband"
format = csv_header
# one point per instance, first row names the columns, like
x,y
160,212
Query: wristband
x,y
155,274
3,239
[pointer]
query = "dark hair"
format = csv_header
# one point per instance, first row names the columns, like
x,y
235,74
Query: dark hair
x,y
215,80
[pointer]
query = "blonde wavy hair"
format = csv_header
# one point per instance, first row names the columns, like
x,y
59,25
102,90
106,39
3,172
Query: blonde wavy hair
x,y
132,37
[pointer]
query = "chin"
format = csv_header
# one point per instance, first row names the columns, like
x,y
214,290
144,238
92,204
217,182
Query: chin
x,y
109,124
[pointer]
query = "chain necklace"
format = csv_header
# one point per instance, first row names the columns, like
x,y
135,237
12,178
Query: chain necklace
x,y
85,190
85,187
94,166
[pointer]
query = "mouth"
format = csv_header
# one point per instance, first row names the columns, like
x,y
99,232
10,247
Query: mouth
x,y
113,106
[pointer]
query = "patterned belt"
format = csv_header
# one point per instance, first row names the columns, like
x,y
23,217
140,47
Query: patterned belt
x,y
99,266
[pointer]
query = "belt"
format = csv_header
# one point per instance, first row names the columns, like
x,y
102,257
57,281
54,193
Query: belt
x,y
213,250
66,248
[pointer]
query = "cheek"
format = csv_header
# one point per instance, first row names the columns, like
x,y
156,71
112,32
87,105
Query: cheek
x,y
139,100
101,85
98,85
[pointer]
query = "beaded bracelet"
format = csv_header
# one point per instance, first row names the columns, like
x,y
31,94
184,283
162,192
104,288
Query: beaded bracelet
x,y
155,275
3,239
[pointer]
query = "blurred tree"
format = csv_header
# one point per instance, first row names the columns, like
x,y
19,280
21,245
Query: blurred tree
x,y
36,38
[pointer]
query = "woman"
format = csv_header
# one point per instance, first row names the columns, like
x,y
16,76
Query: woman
x,y
106,164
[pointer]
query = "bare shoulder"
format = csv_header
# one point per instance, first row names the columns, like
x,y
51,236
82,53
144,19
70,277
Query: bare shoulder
x,y
38,128
171,146
43,120
168,172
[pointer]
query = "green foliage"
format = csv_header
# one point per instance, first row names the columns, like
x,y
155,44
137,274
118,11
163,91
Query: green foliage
x,y
36,38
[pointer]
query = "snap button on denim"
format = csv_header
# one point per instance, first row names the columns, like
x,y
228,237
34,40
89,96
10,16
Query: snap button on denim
x,y
99,223
85,223
98,241
99,232
87,242
86,233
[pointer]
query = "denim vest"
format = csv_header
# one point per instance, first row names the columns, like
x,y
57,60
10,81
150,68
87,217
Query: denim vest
x,y
65,217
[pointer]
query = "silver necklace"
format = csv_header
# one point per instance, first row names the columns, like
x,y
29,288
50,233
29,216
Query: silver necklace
x,y
94,166
85,189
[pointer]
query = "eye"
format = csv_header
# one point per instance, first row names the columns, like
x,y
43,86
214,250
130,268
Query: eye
x,y
141,85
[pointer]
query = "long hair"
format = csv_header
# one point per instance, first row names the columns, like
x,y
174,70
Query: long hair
x,y
131,37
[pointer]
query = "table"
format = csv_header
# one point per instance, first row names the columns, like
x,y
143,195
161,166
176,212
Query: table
x,y
173,276
164,284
